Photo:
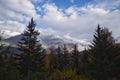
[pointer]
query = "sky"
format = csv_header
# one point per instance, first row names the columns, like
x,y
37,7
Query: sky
x,y
69,18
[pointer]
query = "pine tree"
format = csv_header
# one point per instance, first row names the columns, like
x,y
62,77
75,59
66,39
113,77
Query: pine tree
x,y
66,58
1,50
103,55
32,54
76,59
53,61
1,45
1,60
7,70
84,62
60,59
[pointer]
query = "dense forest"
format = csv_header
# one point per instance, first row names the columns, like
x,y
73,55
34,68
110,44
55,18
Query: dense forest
x,y
101,61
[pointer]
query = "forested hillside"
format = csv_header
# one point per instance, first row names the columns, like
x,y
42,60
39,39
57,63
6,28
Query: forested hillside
x,y
100,60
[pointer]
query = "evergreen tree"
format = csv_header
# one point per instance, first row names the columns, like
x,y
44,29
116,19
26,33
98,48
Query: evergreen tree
x,y
76,59
63,58
1,50
53,61
60,59
32,54
66,58
1,60
103,56
7,70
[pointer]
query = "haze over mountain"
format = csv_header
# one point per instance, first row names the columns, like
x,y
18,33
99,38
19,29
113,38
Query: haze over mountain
x,y
51,41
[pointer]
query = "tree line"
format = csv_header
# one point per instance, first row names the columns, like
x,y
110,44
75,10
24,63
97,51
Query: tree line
x,y
101,61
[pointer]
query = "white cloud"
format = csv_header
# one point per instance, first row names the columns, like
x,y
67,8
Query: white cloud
x,y
11,28
107,4
17,10
90,9
52,11
14,15
72,1
47,31
80,21
37,1
8,33
75,40
39,9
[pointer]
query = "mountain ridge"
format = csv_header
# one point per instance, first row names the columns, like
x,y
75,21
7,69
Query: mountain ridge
x,y
50,41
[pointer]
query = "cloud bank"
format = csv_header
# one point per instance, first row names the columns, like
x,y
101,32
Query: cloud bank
x,y
77,21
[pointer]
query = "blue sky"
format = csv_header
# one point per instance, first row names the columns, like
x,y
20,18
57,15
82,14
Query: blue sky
x,y
67,18
68,3
63,4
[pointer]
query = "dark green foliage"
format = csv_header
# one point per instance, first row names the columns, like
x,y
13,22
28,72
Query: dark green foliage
x,y
53,63
7,70
84,62
60,59
103,56
63,58
76,59
32,56
1,50
66,57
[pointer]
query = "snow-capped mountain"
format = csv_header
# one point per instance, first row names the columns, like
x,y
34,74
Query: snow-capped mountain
x,y
51,41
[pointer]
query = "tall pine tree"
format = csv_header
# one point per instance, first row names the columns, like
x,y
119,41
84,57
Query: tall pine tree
x,y
32,54
53,62
103,56
66,57
76,59
60,59
1,50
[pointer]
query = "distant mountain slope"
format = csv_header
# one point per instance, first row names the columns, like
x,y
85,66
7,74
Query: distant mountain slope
x,y
51,41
